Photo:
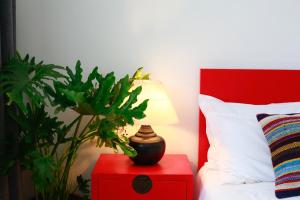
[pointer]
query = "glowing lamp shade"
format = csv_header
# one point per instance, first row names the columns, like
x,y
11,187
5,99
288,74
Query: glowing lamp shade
x,y
160,111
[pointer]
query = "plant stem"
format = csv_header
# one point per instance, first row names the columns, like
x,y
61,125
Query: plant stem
x,y
59,139
87,125
78,125
71,153
88,134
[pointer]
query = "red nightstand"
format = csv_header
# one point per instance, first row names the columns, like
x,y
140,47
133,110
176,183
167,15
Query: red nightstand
x,y
116,177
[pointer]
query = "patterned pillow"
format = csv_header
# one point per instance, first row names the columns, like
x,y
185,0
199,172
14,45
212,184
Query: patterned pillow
x,y
283,136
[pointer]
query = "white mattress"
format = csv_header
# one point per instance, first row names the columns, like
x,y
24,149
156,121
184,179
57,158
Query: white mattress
x,y
210,189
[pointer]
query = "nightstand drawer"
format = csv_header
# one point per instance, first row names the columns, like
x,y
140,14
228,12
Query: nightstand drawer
x,y
116,177
123,189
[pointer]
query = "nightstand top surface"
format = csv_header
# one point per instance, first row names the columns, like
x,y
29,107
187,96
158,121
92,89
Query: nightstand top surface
x,y
121,164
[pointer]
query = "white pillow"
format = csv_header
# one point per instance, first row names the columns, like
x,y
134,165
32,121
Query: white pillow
x,y
238,148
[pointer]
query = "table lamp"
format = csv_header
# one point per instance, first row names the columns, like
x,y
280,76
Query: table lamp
x,y
150,147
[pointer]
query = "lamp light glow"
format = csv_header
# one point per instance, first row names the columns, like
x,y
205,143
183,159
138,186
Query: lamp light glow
x,y
160,110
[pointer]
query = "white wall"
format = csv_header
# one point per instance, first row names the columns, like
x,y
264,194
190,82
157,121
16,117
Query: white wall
x,y
170,38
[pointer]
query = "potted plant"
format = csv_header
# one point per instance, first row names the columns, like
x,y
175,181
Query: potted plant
x,y
48,146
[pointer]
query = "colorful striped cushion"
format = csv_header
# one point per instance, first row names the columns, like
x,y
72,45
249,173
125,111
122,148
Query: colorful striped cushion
x,y
283,136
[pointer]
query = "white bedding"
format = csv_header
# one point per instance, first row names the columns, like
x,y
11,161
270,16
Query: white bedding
x,y
211,189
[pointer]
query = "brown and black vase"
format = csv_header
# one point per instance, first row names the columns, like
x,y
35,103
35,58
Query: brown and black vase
x,y
149,146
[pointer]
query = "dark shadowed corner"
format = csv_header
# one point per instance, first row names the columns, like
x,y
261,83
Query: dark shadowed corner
x,y
11,184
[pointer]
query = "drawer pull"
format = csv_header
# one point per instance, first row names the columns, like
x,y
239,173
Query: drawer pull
x,y
142,184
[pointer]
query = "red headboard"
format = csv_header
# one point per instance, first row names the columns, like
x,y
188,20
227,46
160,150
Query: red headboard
x,y
255,86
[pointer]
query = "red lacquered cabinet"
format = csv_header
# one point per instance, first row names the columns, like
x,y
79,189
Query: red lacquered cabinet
x,y
116,177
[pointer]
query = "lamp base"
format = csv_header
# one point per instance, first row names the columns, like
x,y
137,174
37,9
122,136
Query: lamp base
x,y
149,146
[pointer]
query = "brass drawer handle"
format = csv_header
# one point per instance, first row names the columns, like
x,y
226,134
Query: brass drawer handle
x,y
142,184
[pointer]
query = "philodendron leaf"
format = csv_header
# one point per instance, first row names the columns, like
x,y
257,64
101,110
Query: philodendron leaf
x,y
83,187
104,96
138,112
82,104
132,99
139,75
37,130
128,150
42,168
121,92
80,95
22,77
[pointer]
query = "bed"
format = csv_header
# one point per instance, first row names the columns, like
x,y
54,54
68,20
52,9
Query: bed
x,y
231,168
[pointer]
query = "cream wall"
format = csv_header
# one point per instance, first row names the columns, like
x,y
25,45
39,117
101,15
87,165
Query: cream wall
x,y
169,38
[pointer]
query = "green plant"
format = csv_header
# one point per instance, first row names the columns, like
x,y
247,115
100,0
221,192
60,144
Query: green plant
x,y
48,146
